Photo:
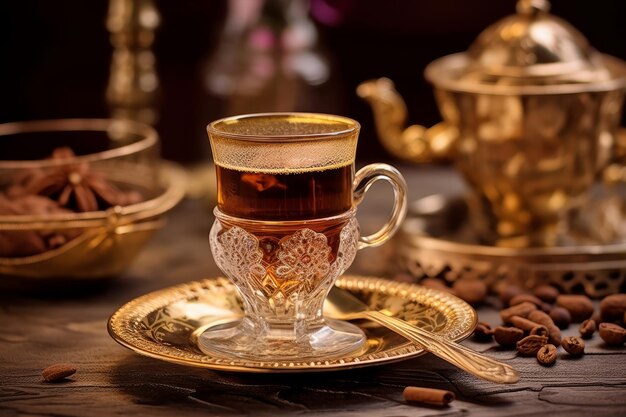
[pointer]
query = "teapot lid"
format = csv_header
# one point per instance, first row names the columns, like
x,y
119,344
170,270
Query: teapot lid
x,y
531,52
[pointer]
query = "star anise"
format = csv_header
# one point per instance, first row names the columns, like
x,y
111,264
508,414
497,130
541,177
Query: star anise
x,y
74,185
16,243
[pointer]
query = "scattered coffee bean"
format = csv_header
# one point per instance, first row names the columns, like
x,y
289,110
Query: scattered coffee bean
x,y
507,336
483,331
587,329
473,291
546,293
58,372
546,355
612,334
554,333
579,306
561,317
434,283
530,345
506,291
522,298
613,307
573,345
540,330
522,323
522,310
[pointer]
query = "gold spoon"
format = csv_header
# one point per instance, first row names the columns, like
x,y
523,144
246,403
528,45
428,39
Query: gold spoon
x,y
342,305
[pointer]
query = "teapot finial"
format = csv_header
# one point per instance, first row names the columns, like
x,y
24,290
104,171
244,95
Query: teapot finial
x,y
532,7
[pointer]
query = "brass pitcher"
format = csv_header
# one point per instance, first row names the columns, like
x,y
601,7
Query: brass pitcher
x,y
531,113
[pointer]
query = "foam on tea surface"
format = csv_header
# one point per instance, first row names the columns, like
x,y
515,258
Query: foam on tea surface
x,y
284,144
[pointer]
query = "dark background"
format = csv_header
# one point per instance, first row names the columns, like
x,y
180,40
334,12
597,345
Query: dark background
x,y
55,57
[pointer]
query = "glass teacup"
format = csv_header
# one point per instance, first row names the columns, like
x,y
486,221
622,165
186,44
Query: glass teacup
x,y
286,228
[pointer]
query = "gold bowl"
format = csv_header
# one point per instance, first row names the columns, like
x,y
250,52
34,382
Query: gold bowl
x,y
103,242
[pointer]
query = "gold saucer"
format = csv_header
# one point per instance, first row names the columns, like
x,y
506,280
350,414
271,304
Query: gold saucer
x,y
165,324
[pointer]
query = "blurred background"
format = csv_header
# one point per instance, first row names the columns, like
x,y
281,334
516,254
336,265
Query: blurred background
x,y
197,60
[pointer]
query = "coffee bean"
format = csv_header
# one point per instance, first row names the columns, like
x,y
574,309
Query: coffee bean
x,y
561,317
612,334
522,323
579,306
58,372
507,291
530,345
522,298
546,355
546,293
540,330
472,291
433,283
587,329
522,310
483,331
613,307
507,336
554,333
573,345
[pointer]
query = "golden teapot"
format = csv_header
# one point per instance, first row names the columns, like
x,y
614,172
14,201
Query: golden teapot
x,y
530,117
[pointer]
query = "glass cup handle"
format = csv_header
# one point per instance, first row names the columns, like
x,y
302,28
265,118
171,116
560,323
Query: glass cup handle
x,y
363,180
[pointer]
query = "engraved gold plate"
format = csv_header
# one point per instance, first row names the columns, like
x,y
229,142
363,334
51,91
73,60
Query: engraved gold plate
x,y
438,241
165,324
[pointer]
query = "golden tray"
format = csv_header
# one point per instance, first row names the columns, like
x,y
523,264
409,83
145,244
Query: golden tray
x,y
165,324
437,241
110,241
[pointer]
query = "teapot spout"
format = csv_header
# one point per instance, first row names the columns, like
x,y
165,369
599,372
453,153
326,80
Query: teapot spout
x,y
414,143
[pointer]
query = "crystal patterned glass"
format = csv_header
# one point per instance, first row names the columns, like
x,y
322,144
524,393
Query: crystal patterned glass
x,y
285,228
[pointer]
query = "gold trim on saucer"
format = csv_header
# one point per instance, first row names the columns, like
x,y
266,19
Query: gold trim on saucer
x,y
164,324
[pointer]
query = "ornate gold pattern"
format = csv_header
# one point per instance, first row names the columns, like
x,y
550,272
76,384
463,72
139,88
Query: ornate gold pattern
x,y
531,115
162,324
439,244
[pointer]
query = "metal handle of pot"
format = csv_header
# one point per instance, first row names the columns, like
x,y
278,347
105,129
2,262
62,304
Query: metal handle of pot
x,y
415,143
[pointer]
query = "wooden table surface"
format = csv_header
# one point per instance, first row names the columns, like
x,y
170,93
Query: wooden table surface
x,y
70,326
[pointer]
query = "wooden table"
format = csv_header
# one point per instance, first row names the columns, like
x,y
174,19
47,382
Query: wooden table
x,y
38,331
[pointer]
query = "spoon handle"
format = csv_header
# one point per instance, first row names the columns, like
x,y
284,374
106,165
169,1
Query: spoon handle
x,y
458,355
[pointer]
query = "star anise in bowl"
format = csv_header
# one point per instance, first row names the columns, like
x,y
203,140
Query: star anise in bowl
x,y
16,243
73,185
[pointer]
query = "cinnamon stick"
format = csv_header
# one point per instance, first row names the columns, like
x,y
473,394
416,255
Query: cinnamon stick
x,y
428,395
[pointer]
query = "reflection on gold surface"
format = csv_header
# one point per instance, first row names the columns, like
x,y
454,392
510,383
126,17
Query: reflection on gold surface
x,y
162,324
530,113
133,82
438,240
